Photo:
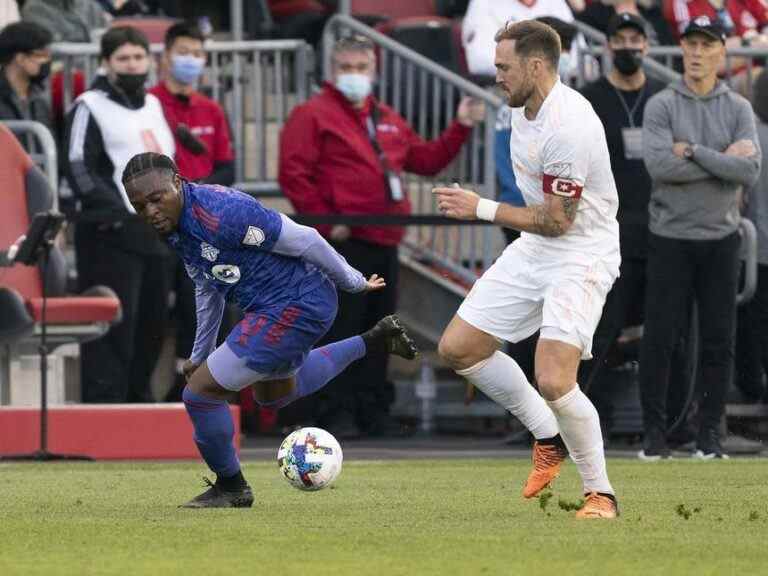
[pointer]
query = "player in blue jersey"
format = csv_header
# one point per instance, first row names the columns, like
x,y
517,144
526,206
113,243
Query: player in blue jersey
x,y
282,275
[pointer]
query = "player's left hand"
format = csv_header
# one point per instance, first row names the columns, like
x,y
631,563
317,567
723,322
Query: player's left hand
x,y
457,202
188,369
374,283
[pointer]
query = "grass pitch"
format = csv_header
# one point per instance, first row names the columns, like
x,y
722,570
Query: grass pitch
x,y
396,517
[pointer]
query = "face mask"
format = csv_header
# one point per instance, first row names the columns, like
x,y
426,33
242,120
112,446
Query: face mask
x,y
627,60
42,73
356,87
564,65
131,83
187,69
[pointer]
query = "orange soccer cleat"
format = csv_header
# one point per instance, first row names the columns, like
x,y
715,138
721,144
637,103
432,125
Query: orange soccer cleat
x,y
599,505
547,459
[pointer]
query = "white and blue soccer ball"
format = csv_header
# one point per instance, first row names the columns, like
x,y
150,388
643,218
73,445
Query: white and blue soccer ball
x,y
310,458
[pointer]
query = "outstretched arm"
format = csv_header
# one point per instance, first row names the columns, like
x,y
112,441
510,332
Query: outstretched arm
x,y
306,243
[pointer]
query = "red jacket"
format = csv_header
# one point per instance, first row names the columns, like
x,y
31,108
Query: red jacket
x,y
746,14
207,121
328,165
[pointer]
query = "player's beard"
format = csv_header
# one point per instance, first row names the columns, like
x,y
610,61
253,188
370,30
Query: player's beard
x,y
519,97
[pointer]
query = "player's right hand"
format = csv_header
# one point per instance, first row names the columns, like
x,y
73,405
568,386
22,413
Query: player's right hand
x,y
188,369
456,202
374,283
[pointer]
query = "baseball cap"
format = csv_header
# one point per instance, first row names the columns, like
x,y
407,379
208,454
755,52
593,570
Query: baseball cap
x,y
705,25
626,20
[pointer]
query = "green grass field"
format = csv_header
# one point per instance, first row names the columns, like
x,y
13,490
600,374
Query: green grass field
x,y
397,517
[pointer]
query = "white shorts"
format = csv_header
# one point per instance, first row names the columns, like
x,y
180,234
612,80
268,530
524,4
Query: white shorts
x,y
519,295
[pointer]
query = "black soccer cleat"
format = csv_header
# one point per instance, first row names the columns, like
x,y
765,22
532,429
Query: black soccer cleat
x,y
217,497
390,335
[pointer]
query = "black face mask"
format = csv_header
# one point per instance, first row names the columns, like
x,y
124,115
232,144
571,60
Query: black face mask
x,y
131,84
42,73
627,60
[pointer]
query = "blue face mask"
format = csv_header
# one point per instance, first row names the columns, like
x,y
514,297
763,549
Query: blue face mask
x,y
186,69
356,87
564,66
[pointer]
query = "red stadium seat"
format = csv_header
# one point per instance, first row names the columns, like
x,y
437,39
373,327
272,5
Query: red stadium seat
x,y
390,9
25,192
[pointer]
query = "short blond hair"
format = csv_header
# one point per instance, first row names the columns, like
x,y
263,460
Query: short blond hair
x,y
532,38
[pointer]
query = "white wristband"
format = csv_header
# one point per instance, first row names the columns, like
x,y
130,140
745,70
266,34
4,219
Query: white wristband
x,y
486,209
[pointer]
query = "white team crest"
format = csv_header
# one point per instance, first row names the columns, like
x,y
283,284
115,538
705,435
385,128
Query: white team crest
x,y
208,252
226,273
254,236
703,21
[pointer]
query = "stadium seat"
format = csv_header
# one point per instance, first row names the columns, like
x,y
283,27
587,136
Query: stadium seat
x,y
389,9
16,322
153,28
69,319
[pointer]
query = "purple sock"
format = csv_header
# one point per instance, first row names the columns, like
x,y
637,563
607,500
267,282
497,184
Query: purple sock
x,y
214,430
322,365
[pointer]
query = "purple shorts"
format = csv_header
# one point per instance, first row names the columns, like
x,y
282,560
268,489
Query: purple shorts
x,y
273,343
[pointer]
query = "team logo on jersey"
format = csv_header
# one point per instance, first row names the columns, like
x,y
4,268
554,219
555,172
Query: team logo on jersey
x,y
208,252
254,236
226,273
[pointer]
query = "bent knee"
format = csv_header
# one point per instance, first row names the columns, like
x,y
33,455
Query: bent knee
x,y
457,355
553,385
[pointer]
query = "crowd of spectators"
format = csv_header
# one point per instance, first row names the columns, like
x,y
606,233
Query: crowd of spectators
x,y
345,152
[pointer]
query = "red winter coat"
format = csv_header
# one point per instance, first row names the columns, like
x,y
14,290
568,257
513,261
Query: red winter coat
x,y
328,165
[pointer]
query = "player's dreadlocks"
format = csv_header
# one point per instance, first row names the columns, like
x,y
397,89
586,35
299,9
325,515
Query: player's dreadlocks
x,y
147,162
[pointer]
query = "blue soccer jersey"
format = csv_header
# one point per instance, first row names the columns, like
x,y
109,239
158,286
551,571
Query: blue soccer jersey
x,y
281,274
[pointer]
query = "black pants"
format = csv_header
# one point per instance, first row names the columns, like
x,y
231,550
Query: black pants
x,y
118,367
624,307
678,270
752,341
362,391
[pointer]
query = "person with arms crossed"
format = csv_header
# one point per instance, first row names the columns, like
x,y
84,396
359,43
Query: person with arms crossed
x,y
701,149
555,277
283,276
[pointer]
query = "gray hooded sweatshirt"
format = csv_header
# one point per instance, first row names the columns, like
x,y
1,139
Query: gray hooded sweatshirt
x,y
697,199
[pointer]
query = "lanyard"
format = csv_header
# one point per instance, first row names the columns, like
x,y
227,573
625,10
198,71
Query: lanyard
x,y
371,122
630,113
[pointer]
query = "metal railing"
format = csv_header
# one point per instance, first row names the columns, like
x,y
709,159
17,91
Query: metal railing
x,y
426,95
43,151
256,82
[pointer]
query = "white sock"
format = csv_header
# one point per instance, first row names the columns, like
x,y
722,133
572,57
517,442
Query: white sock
x,y
579,426
504,382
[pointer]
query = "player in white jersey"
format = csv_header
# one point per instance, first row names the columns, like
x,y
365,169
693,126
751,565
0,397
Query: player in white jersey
x,y
555,277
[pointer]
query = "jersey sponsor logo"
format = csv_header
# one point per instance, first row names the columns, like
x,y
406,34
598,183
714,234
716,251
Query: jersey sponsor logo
x,y
563,187
208,252
254,236
227,273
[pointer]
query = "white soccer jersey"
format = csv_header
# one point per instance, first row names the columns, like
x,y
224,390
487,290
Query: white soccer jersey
x,y
563,151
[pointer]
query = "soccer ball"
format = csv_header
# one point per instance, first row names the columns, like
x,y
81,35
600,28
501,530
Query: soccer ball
x,y
310,458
